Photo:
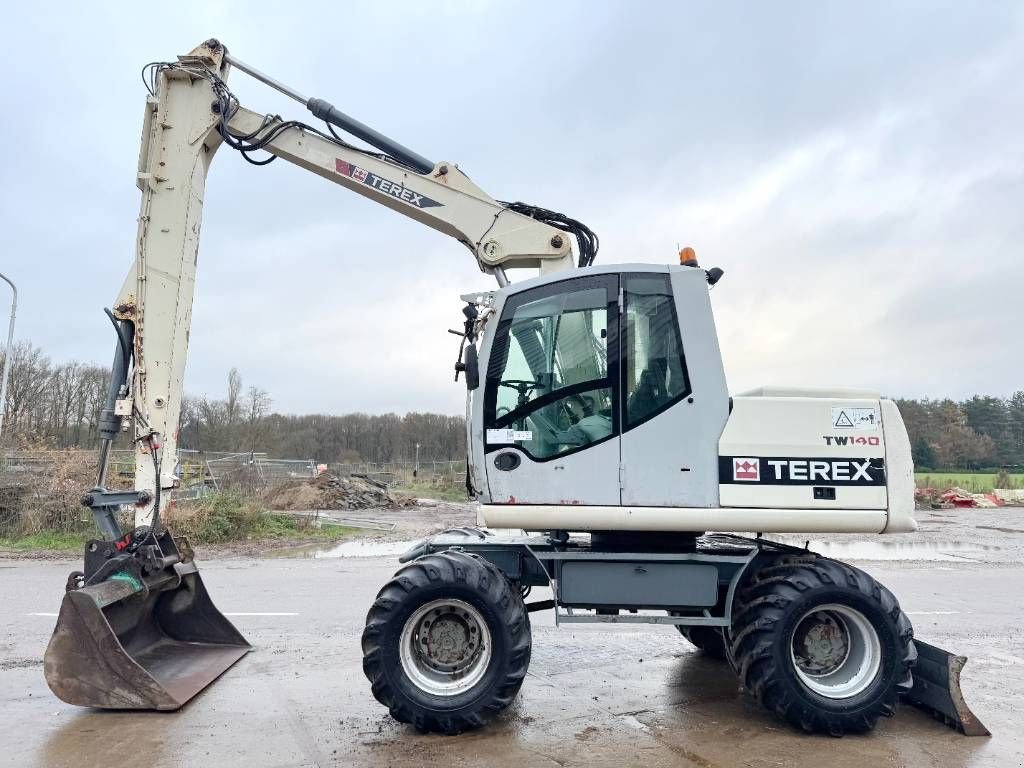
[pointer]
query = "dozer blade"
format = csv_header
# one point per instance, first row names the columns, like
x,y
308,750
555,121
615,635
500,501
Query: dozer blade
x,y
937,689
140,643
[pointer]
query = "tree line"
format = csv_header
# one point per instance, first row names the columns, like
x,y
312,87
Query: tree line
x,y
244,422
54,403
979,433
58,404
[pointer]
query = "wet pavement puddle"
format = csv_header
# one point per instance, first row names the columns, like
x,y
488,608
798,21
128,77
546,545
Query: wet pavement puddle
x,y
949,551
356,548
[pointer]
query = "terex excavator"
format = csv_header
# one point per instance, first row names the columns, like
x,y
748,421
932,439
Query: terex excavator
x,y
598,420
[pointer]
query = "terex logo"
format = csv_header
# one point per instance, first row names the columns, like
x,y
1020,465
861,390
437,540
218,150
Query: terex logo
x,y
746,469
771,470
392,188
825,471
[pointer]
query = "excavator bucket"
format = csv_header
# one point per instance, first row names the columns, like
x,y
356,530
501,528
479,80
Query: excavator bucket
x,y
937,689
140,638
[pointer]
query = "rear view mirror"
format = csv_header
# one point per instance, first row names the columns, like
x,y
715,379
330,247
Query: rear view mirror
x,y
471,367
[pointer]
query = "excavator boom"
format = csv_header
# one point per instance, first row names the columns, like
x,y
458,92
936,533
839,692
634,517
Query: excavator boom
x,y
188,118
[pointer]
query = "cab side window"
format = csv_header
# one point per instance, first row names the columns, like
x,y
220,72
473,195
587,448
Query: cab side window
x,y
655,370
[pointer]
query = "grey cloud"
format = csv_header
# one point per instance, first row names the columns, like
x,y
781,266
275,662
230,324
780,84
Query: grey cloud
x,y
885,140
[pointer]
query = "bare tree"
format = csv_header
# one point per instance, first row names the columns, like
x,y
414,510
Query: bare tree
x,y
95,382
233,403
28,379
213,416
257,405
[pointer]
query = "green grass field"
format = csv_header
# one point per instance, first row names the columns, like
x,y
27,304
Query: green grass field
x,y
969,481
47,540
427,491
222,518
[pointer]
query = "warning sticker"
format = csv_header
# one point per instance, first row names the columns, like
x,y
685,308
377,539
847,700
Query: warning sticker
x,y
846,417
506,436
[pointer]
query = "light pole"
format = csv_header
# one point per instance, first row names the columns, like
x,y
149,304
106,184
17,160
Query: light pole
x,y
7,352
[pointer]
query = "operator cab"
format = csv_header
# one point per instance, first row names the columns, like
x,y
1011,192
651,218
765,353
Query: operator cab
x,y
614,369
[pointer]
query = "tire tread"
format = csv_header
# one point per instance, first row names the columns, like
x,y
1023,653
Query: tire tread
x,y
762,604
467,570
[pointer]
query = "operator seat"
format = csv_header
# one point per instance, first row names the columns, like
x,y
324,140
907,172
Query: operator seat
x,y
651,390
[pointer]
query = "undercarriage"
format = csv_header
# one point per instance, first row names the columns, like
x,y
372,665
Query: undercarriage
x,y
817,641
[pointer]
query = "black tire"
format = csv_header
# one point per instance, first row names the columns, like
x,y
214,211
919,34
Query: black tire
x,y
458,576
769,609
709,640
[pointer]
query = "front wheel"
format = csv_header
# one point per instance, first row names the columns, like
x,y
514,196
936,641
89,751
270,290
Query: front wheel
x,y
822,644
446,643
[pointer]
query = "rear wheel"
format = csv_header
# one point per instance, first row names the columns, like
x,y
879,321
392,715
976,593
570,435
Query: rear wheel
x,y
446,643
822,644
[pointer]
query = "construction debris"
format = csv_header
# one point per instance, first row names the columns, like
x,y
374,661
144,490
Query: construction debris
x,y
947,498
327,491
958,497
1013,496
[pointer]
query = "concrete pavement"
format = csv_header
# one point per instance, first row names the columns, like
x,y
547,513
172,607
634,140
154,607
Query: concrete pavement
x,y
595,695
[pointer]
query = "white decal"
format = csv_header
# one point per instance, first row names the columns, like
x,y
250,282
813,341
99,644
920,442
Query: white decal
x,y
846,417
506,436
501,435
825,471
861,471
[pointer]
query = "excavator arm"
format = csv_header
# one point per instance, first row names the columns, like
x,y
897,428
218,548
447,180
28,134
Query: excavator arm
x,y
190,114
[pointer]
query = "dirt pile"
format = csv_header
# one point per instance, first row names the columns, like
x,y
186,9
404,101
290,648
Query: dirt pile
x,y
327,491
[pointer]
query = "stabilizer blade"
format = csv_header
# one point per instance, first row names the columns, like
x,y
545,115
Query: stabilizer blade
x,y
937,689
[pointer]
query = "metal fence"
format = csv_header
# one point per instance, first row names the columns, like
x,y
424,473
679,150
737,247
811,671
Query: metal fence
x,y
41,490
251,472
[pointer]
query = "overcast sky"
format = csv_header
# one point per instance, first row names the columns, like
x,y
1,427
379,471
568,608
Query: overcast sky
x,y
857,171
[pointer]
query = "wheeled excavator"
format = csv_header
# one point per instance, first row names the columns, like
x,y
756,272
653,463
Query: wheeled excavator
x,y
599,429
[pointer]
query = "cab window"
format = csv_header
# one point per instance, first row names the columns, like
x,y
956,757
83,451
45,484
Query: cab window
x,y
552,380
655,371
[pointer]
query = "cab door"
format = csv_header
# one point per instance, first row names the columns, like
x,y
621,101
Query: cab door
x,y
551,413
674,398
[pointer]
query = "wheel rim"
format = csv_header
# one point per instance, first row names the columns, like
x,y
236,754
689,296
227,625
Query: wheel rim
x,y
835,651
445,647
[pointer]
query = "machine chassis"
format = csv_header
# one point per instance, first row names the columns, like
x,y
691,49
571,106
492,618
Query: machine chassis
x,y
663,578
